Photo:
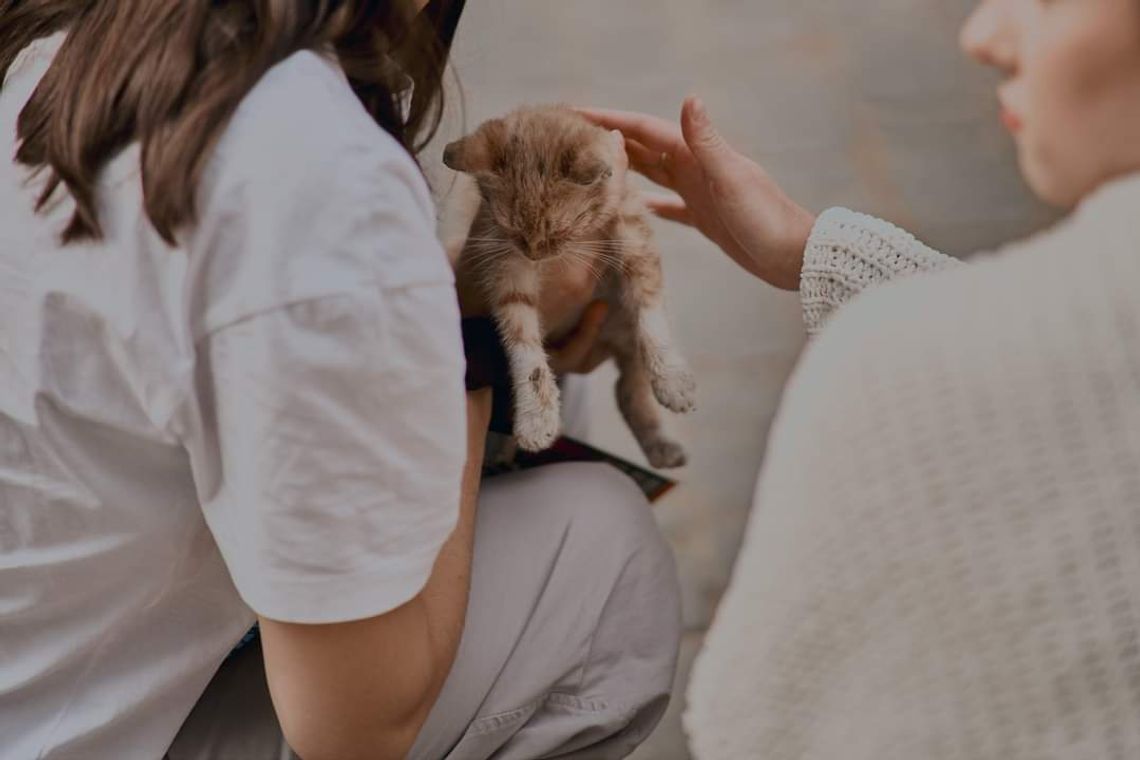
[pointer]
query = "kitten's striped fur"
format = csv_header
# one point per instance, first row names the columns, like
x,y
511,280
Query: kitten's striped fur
x,y
556,224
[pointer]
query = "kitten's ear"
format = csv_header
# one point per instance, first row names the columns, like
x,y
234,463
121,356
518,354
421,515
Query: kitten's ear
x,y
476,152
468,155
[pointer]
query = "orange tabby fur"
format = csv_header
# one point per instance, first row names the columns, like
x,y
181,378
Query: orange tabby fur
x,y
556,226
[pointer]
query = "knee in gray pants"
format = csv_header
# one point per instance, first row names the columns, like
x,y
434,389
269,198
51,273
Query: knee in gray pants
x,y
573,625
569,646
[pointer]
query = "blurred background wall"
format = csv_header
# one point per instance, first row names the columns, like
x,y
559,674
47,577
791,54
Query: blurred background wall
x,y
861,103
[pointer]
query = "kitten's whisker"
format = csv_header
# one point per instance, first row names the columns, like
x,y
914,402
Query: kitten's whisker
x,y
603,249
601,268
484,259
587,246
478,252
599,251
590,262
589,265
602,258
485,249
599,255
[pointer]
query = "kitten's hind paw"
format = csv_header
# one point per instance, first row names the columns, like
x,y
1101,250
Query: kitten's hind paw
x,y
675,388
665,454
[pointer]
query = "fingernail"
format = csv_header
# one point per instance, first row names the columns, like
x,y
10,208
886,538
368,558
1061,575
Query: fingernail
x,y
702,115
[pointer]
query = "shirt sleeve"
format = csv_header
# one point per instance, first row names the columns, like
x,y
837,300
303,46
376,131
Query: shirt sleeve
x,y
331,449
325,419
849,252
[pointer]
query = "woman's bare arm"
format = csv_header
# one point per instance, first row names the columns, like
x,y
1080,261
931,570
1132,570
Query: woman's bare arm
x,y
363,689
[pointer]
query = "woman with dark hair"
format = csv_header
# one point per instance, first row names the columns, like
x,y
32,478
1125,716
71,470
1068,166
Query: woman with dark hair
x,y
232,388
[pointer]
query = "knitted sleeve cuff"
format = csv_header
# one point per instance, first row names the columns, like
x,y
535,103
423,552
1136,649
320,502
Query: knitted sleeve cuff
x,y
849,252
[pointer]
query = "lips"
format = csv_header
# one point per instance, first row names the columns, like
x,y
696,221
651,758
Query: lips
x,y
1009,117
1012,121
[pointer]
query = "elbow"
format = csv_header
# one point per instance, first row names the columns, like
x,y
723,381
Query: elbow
x,y
386,742
354,691
363,729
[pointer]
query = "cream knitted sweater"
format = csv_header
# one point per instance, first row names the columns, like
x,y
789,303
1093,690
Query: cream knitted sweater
x,y
944,556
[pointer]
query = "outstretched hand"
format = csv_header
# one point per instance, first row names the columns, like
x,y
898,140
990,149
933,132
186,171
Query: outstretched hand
x,y
719,191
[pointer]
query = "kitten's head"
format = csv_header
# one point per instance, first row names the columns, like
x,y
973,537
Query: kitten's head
x,y
548,177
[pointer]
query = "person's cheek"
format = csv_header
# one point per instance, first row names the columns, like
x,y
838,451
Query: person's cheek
x,y
1058,72
1100,88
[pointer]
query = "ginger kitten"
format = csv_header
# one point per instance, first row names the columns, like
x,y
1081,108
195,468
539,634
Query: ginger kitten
x,y
553,211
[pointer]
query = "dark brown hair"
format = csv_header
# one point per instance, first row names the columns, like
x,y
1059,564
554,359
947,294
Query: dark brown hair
x,y
171,73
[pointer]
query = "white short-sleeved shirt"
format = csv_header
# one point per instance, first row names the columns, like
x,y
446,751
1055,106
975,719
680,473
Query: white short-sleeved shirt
x,y
267,418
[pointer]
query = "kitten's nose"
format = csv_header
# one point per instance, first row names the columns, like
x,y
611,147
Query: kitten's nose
x,y
538,250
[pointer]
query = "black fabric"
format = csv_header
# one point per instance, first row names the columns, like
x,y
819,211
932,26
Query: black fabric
x,y
488,367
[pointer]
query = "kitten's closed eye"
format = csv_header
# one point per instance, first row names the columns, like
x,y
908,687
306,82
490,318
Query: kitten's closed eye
x,y
590,173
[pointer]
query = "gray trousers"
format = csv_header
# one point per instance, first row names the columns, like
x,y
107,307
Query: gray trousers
x,y
569,646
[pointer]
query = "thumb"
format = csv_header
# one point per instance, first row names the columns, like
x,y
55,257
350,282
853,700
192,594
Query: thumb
x,y
710,149
595,318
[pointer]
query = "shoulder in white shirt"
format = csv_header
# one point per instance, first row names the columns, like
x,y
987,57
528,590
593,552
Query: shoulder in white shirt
x,y
267,418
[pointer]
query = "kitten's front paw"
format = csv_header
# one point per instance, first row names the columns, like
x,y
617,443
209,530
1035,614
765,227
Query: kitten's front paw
x,y
675,388
665,454
538,412
537,429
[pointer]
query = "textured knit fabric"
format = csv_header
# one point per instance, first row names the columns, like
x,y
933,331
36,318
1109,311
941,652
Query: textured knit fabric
x,y
848,252
943,561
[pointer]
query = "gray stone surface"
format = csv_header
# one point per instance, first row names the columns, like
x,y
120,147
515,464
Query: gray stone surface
x,y
863,104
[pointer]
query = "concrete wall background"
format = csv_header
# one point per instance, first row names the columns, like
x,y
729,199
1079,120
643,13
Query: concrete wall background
x,y
867,104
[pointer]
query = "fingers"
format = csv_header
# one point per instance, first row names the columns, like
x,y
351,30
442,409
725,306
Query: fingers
x,y
576,353
669,207
648,162
657,134
711,150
